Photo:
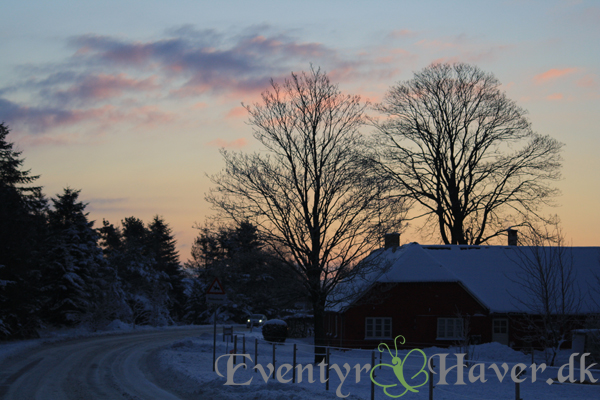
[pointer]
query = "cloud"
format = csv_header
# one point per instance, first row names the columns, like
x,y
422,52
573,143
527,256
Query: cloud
x,y
234,144
237,112
206,61
588,81
402,33
101,87
555,96
553,74
39,120
112,80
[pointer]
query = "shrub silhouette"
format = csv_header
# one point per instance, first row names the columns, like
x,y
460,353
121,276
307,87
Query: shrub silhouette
x,y
275,330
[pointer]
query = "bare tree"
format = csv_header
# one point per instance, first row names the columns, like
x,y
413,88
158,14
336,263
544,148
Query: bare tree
x,y
549,297
307,194
464,153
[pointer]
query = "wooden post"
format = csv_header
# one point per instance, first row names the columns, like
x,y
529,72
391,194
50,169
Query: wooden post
x,y
274,369
373,383
215,339
234,348
517,390
244,348
431,379
327,369
255,354
518,384
294,366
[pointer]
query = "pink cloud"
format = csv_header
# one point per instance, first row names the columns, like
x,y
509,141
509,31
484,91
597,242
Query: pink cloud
x,y
199,105
588,81
552,74
234,144
104,86
237,112
555,96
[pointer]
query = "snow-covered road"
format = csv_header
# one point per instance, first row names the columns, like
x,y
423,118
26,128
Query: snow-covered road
x,y
101,367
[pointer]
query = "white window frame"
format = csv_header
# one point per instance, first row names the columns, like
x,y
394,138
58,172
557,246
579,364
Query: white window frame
x,y
499,325
378,325
450,329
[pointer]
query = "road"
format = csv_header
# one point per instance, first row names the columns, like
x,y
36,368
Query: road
x,y
123,366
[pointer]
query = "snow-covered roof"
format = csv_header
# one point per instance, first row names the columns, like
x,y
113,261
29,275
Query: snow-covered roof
x,y
490,273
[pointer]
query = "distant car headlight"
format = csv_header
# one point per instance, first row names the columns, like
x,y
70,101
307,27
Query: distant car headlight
x,y
260,320
248,320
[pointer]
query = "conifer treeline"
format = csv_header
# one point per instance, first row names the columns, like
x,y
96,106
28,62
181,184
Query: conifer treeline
x,y
57,270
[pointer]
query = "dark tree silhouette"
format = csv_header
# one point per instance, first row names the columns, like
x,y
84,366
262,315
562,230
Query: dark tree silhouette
x,y
22,243
312,202
464,153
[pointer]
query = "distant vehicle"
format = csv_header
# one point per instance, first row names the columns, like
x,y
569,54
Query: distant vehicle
x,y
256,320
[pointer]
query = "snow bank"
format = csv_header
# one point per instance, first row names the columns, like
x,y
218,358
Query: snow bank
x,y
275,322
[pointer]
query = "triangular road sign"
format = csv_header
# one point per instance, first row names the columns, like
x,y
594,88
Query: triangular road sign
x,y
215,288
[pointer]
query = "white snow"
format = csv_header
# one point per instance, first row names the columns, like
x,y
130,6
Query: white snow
x,y
193,358
490,273
275,322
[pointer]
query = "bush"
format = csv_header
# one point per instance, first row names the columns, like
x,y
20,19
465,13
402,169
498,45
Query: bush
x,y
275,330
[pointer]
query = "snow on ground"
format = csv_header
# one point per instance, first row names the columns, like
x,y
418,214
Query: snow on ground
x,y
9,348
193,358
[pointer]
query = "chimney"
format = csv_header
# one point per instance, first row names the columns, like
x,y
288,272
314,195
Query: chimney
x,y
391,240
512,236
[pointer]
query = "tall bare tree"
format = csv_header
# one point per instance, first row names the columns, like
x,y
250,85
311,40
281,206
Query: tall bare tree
x,y
549,297
307,194
465,153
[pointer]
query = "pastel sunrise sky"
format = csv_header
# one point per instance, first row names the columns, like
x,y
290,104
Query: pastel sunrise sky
x,y
130,101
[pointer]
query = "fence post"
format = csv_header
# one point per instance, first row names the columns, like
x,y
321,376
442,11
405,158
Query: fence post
x,y
244,348
274,368
234,348
373,383
294,366
327,369
518,384
255,354
431,379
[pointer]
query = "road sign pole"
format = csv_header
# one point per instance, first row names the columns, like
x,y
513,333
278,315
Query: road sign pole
x,y
215,295
215,338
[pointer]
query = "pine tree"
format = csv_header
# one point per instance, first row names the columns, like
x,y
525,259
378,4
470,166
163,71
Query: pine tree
x,y
162,245
22,232
147,286
256,282
75,264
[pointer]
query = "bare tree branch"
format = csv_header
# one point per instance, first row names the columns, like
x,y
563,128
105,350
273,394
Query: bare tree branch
x,y
449,145
314,204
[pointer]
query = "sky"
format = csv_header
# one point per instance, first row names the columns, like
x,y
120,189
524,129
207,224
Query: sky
x,y
130,101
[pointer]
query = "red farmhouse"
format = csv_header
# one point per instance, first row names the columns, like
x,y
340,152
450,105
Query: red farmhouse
x,y
438,295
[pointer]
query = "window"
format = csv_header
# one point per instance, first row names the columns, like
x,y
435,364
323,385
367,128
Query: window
x,y
450,328
500,326
378,328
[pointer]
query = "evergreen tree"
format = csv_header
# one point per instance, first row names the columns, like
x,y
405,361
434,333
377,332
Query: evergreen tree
x,y
147,286
256,281
75,263
162,245
22,232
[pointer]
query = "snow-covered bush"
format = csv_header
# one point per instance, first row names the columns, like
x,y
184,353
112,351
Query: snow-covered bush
x,y
275,330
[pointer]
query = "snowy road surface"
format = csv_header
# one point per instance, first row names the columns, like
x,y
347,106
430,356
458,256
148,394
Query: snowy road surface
x,y
101,367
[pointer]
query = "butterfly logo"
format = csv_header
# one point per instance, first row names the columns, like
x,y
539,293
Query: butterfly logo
x,y
398,367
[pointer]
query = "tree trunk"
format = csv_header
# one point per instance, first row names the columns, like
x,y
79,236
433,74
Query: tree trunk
x,y
320,340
